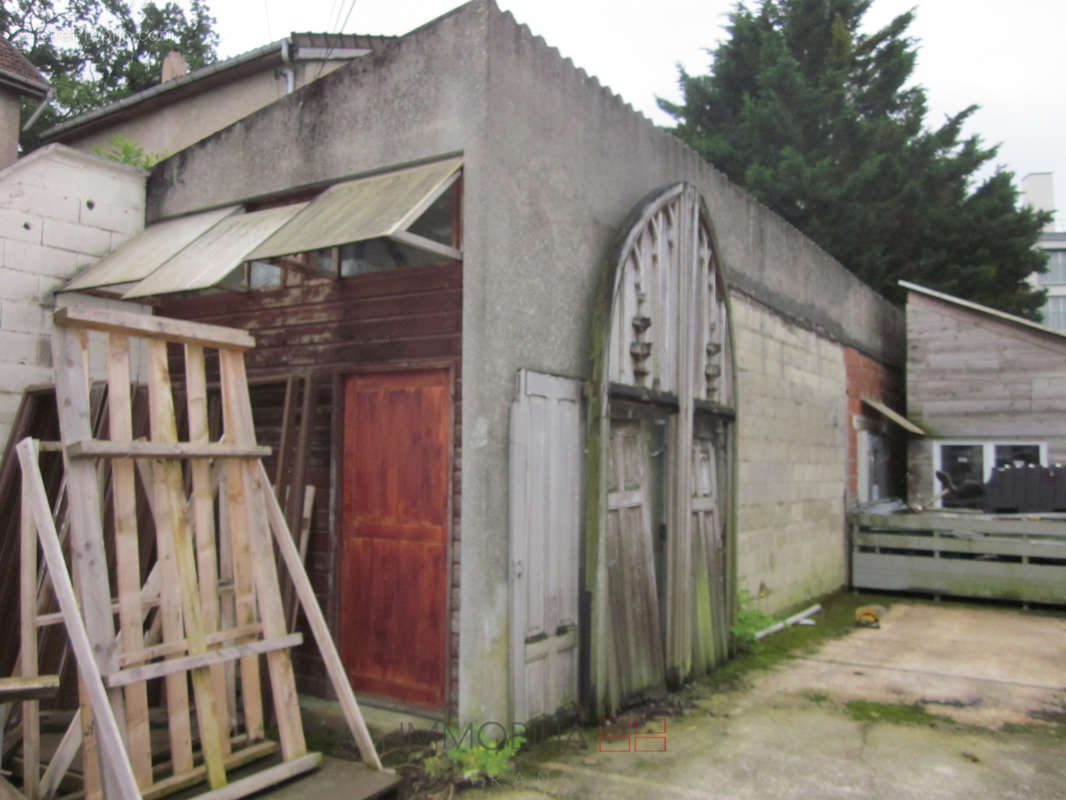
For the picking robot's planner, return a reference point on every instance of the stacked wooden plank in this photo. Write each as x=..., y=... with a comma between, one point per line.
x=211, y=600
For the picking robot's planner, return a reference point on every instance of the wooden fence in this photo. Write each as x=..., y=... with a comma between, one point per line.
x=1007, y=557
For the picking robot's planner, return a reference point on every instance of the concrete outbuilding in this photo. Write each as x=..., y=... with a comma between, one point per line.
x=560, y=369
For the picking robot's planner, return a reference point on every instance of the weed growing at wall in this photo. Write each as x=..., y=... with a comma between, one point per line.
x=750, y=620
x=475, y=764
x=126, y=151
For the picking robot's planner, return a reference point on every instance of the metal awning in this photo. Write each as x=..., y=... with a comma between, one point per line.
x=216, y=253
x=366, y=208
x=147, y=251
x=896, y=417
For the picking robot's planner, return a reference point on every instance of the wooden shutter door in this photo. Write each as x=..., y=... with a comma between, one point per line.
x=636, y=641
x=546, y=458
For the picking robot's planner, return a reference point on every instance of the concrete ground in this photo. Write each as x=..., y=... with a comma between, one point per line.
x=335, y=778
x=836, y=724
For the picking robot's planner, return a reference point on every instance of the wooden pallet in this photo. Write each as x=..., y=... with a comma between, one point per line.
x=211, y=602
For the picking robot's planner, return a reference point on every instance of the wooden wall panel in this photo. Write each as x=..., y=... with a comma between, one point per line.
x=396, y=319
x=971, y=375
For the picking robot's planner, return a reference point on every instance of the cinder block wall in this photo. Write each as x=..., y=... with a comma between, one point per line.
x=792, y=437
x=60, y=210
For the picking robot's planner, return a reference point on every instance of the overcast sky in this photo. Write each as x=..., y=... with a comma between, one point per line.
x=1006, y=57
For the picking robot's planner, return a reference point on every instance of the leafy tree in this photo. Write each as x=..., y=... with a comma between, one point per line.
x=817, y=120
x=97, y=51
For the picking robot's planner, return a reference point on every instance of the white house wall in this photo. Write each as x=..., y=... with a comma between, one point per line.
x=60, y=210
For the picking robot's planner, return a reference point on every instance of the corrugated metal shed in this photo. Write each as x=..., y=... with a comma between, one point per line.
x=147, y=251
x=215, y=253
x=366, y=208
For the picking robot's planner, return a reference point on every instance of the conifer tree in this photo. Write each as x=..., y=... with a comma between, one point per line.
x=816, y=118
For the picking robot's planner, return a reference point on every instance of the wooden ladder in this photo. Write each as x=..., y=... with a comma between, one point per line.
x=214, y=588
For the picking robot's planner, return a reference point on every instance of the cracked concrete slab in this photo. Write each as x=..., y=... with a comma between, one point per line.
x=979, y=666
x=789, y=734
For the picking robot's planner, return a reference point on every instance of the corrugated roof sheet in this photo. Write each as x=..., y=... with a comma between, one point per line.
x=215, y=253
x=147, y=251
x=365, y=208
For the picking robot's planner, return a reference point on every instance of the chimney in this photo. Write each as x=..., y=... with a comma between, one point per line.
x=18, y=78
x=174, y=66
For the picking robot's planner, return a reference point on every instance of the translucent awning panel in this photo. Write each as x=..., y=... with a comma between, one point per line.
x=365, y=208
x=216, y=253
x=147, y=251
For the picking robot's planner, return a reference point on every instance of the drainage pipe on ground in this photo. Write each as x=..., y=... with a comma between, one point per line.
x=790, y=621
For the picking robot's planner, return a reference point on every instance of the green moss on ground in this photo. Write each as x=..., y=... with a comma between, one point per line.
x=1057, y=731
x=898, y=713
x=836, y=619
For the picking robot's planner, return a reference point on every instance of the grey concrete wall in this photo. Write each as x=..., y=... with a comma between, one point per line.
x=418, y=98
x=569, y=162
x=167, y=130
x=974, y=377
x=553, y=165
x=60, y=210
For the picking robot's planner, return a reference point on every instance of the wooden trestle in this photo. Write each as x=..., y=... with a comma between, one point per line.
x=210, y=603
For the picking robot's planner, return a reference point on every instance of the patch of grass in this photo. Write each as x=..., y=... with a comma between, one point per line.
x=899, y=714
x=1035, y=729
x=750, y=620
x=816, y=697
x=836, y=619
x=573, y=739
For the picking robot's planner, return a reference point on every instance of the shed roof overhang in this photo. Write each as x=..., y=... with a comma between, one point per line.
x=199, y=251
x=895, y=416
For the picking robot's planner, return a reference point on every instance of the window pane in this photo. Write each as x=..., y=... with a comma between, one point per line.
x=375, y=255
x=1056, y=268
x=264, y=275
x=439, y=220
x=964, y=464
x=1055, y=312
x=1017, y=455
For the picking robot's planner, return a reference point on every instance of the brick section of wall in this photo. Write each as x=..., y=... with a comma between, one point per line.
x=869, y=378
x=59, y=212
x=792, y=439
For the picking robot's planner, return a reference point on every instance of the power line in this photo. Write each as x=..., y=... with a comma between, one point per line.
x=347, y=16
x=340, y=35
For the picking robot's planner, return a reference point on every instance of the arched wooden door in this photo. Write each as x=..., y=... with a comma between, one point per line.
x=659, y=534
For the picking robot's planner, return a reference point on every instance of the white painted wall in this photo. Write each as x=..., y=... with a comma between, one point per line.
x=60, y=211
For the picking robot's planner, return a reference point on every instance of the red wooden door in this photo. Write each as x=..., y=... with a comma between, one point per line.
x=394, y=528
